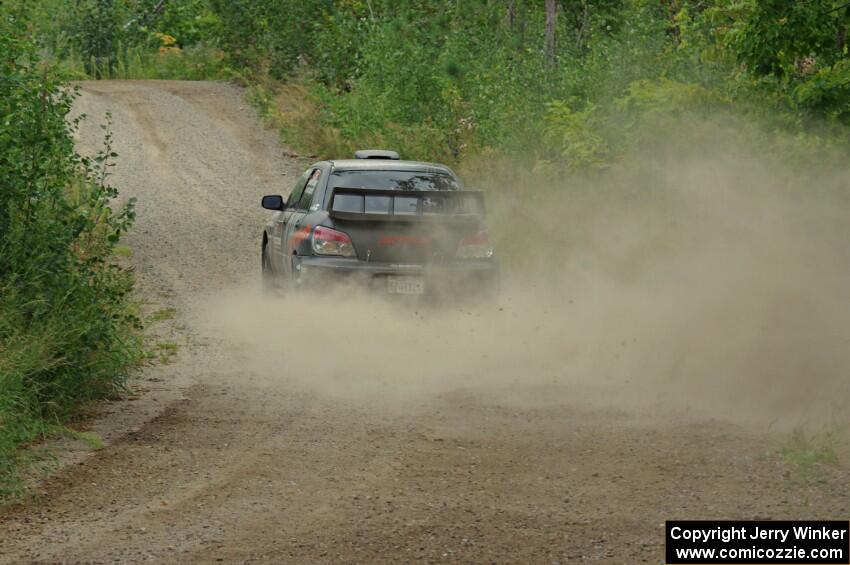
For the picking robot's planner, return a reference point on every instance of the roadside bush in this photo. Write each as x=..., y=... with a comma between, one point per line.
x=169, y=62
x=126, y=39
x=67, y=328
x=445, y=80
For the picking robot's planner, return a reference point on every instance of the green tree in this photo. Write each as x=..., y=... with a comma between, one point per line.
x=781, y=38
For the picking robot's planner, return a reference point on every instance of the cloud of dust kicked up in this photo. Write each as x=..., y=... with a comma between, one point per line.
x=713, y=285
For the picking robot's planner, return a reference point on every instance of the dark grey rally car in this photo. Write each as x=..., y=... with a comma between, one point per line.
x=401, y=227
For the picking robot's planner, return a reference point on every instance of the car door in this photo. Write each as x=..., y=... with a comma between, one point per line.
x=296, y=231
x=280, y=257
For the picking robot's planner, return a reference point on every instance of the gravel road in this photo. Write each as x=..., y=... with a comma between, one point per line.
x=253, y=447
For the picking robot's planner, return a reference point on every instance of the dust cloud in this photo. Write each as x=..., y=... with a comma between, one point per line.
x=708, y=286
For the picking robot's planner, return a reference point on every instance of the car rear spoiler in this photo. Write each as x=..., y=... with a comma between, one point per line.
x=405, y=205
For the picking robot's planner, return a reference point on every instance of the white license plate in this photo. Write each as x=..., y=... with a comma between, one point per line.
x=405, y=285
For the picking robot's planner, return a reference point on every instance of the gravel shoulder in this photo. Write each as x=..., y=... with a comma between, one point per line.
x=226, y=459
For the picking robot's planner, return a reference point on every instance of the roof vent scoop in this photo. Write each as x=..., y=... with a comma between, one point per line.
x=376, y=154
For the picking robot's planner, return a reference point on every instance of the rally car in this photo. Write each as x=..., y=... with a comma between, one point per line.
x=399, y=227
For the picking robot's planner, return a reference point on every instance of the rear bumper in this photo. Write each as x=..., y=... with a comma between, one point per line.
x=447, y=277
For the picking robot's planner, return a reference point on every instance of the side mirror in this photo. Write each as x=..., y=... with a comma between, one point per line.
x=273, y=202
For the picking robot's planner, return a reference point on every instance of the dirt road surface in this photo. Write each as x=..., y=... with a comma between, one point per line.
x=256, y=461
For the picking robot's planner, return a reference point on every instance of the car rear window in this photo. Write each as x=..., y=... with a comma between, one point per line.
x=393, y=180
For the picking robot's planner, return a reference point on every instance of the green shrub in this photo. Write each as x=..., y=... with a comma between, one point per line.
x=67, y=330
x=827, y=92
x=132, y=39
x=576, y=136
x=445, y=80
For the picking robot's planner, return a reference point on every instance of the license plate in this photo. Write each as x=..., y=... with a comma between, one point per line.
x=405, y=285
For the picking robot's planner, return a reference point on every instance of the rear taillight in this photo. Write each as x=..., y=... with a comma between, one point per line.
x=476, y=246
x=327, y=241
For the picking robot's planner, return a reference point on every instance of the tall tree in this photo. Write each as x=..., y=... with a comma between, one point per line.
x=510, y=14
x=551, y=23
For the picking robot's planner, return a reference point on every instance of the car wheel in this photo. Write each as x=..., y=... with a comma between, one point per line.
x=295, y=280
x=269, y=285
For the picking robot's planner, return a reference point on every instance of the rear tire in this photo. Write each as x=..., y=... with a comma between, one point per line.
x=269, y=285
x=294, y=282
